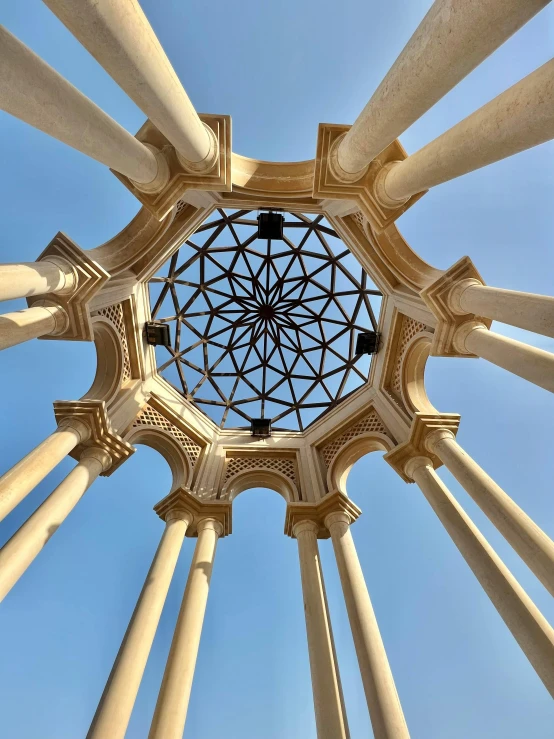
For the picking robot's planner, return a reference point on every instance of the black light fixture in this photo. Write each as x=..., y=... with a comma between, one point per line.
x=367, y=343
x=157, y=334
x=270, y=225
x=260, y=427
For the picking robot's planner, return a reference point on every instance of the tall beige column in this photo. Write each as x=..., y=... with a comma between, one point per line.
x=524, y=310
x=173, y=700
x=330, y=717
x=530, y=542
x=387, y=718
x=54, y=275
x=519, y=118
x=523, y=360
x=18, y=553
x=34, y=92
x=452, y=39
x=18, y=482
x=116, y=705
x=46, y=319
x=120, y=38
x=531, y=630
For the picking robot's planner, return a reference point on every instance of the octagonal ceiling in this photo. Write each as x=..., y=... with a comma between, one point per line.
x=264, y=328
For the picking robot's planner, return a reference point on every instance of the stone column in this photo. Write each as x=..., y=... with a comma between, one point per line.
x=18, y=553
x=519, y=118
x=173, y=700
x=450, y=41
x=524, y=310
x=387, y=718
x=52, y=275
x=46, y=319
x=34, y=92
x=120, y=38
x=530, y=542
x=116, y=705
x=330, y=718
x=523, y=360
x=529, y=627
x=18, y=482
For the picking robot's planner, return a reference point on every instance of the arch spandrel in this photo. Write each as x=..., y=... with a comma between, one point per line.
x=243, y=470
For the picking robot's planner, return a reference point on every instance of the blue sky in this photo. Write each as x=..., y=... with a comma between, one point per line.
x=279, y=69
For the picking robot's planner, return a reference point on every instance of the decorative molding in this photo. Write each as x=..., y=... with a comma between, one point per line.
x=368, y=423
x=94, y=414
x=436, y=295
x=218, y=178
x=152, y=418
x=182, y=499
x=317, y=512
x=422, y=426
x=328, y=186
x=90, y=279
x=242, y=461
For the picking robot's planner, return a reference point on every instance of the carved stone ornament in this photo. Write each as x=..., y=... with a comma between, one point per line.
x=181, y=179
x=182, y=499
x=422, y=426
x=317, y=512
x=94, y=414
x=89, y=277
x=328, y=185
x=437, y=295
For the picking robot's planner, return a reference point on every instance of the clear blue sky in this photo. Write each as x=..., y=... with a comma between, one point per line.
x=279, y=69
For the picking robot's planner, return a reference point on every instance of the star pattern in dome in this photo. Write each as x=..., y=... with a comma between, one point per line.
x=264, y=328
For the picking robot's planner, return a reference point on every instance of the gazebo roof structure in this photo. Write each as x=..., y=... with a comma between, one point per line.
x=266, y=328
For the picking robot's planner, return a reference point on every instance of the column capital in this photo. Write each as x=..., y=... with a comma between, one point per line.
x=185, y=503
x=212, y=174
x=209, y=523
x=463, y=331
x=99, y=454
x=317, y=513
x=61, y=319
x=424, y=426
x=86, y=278
x=442, y=298
x=93, y=414
x=414, y=463
x=332, y=182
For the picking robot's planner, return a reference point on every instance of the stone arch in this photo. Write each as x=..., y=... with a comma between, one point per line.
x=110, y=361
x=350, y=453
x=166, y=445
x=260, y=478
x=413, y=389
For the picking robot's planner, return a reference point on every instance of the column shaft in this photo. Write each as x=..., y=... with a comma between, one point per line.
x=18, y=553
x=523, y=360
x=33, y=278
x=524, y=310
x=387, y=718
x=528, y=626
x=519, y=118
x=120, y=38
x=451, y=40
x=530, y=542
x=30, y=323
x=18, y=482
x=330, y=717
x=34, y=92
x=172, y=705
x=116, y=705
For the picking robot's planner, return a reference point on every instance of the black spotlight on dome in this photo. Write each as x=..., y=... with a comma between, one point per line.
x=157, y=334
x=270, y=225
x=367, y=343
x=260, y=426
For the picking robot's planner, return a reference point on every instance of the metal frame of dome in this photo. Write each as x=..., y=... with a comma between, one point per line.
x=264, y=298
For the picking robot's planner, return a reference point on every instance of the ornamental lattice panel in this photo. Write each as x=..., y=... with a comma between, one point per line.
x=285, y=465
x=410, y=328
x=368, y=423
x=114, y=314
x=151, y=417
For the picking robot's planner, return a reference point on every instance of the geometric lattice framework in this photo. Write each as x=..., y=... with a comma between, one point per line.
x=284, y=465
x=151, y=417
x=114, y=313
x=370, y=422
x=262, y=328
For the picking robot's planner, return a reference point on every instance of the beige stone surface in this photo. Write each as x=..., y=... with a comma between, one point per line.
x=114, y=710
x=36, y=278
x=27, y=542
x=531, y=630
x=31, y=323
